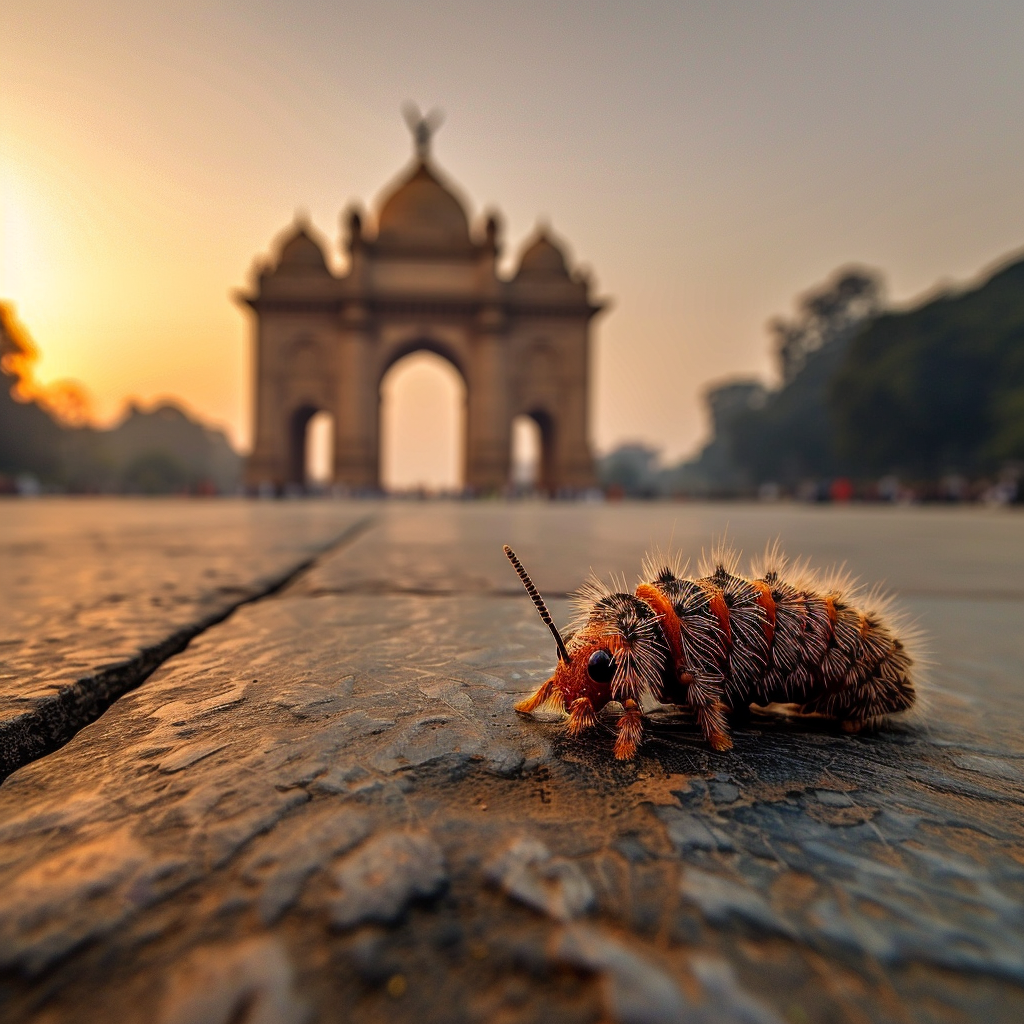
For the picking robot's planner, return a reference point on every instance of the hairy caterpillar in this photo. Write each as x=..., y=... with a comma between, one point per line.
x=720, y=643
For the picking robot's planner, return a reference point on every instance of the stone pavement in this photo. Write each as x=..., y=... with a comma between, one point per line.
x=324, y=808
x=95, y=593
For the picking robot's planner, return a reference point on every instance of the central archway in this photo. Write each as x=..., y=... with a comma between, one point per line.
x=422, y=416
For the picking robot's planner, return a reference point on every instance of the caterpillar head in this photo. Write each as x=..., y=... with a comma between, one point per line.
x=617, y=653
x=619, y=647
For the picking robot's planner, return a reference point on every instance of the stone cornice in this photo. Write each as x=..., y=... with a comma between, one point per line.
x=290, y=304
x=418, y=306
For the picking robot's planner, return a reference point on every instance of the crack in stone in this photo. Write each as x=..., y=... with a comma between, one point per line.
x=55, y=720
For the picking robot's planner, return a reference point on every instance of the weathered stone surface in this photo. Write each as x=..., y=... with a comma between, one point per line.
x=378, y=882
x=439, y=548
x=726, y=1000
x=96, y=593
x=357, y=740
x=727, y=902
x=252, y=982
x=528, y=873
x=636, y=992
x=279, y=866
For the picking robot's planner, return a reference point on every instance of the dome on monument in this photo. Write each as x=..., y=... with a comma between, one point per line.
x=422, y=213
x=300, y=253
x=542, y=258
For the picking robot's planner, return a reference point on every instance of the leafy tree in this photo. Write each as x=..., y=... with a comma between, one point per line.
x=17, y=350
x=155, y=472
x=44, y=432
x=791, y=436
x=632, y=468
x=939, y=389
x=29, y=438
x=825, y=315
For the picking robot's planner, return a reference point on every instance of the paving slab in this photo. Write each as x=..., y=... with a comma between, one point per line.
x=436, y=547
x=94, y=593
x=325, y=809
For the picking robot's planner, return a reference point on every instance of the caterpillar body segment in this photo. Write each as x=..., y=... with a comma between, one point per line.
x=717, y=644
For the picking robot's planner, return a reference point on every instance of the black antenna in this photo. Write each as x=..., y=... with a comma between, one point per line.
x=563, y=654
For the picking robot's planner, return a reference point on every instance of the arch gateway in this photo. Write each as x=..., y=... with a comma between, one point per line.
x=421, y=280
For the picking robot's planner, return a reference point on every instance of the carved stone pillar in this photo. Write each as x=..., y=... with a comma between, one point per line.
x=487, y=416
x=267, y=465
x=355, y=447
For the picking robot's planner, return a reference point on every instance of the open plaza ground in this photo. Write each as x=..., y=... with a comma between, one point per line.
x=263, y=765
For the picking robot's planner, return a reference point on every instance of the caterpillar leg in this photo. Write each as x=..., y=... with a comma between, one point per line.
x=712, y=723
x=581, y=716
x=546, y=693
x=631, y=731
x=710, y=713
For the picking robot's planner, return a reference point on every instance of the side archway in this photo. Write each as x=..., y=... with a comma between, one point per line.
x=298, y=436
x=533, y=452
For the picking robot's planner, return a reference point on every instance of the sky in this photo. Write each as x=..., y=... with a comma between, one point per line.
x=707, y=161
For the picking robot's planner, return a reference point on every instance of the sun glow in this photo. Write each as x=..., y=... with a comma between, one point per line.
x=148, y=155
x=108, y=286
x=45, y=275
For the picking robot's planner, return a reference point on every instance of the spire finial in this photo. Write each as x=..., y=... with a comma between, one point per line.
x=422, y=126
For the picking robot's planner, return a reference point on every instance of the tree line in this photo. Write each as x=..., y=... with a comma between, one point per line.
x=47, y=444
x=866, y=393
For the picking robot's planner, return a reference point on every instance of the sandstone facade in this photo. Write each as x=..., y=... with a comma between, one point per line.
x=422, y=280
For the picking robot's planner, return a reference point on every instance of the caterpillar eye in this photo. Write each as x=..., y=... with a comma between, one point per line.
x=601, y=666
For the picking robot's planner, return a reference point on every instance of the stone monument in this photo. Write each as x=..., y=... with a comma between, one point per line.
x=420, y=278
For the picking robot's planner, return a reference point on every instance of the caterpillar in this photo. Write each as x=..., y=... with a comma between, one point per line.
x=717, y=644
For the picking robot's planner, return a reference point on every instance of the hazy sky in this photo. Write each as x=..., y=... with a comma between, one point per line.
x=708, y=161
